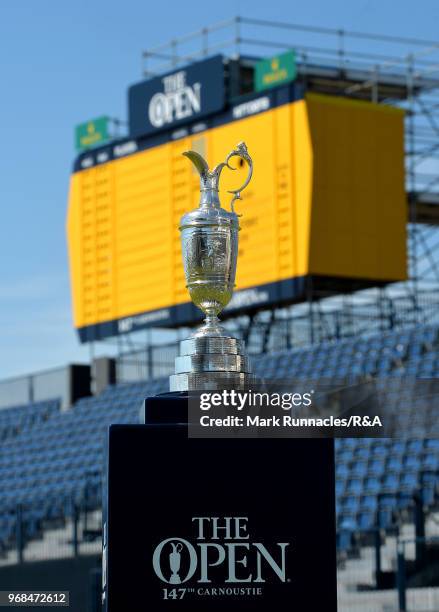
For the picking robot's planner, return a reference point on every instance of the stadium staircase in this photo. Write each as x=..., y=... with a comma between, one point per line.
x=51, y=461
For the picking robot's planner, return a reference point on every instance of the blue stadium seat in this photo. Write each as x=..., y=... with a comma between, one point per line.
x=372, y=484
x=377, y=466
x=359, y=468
x=354, y=485
x=369, y=502
x=366, y=520
x=390, y=483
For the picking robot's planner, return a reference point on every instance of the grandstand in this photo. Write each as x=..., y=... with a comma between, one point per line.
x=53, y=425
x=51, y=462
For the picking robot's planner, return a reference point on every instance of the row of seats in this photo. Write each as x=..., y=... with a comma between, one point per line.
x=23, y=418
x=52, y=464
x=377, y=354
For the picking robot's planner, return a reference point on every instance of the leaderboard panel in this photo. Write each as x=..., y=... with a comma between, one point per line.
x=314, y=208
x=124, y=243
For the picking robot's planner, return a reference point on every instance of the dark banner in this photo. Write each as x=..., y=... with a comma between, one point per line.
x=177, y=97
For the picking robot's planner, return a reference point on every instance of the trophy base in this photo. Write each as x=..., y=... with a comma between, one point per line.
x=211, y=381
x=210, y=363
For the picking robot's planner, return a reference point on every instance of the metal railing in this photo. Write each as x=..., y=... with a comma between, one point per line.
x=258, y=37
x=296, y=327
x=410, y=598
x=40, y=386
x=30, y=388
x=74, y=529
x=402, y=71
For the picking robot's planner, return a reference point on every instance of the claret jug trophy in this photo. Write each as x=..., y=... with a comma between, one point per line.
x=180, y=472
x=211, y=358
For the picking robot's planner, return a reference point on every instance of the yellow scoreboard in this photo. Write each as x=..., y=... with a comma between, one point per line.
x=327, y=202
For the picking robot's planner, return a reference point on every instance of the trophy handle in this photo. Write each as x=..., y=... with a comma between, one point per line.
x=242, y=152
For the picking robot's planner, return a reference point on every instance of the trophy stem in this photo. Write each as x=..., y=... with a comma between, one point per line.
x=210, y=327
x=211, y=320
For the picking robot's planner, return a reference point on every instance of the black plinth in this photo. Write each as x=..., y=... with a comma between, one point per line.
x=200, y=525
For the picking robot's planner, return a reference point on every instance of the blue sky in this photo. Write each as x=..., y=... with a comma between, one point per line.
x=64, y=62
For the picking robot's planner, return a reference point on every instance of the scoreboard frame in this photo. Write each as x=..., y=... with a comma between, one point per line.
x=251, y=298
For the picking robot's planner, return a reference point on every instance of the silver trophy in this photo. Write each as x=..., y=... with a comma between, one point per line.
x=210, y=358
x=175, y=562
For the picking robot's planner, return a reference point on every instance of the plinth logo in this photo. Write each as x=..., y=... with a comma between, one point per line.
x=220, y=551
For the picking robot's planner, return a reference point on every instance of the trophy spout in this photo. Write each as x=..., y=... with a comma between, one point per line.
x=209, y=179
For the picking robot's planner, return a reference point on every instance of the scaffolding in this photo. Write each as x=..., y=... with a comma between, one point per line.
x=384, y=69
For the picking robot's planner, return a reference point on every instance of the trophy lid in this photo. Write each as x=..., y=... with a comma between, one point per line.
x=209, y=211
